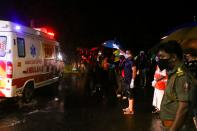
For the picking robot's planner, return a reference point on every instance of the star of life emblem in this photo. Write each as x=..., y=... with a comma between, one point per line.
x=33, y=50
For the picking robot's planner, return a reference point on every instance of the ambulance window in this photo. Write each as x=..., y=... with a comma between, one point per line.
x=3, y=41
x=21, y=47
x=56, y=52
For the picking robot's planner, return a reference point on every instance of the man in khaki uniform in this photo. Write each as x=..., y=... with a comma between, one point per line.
x=176, y=103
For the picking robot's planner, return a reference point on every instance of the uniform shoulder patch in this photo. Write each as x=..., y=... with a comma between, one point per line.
x=179, y=72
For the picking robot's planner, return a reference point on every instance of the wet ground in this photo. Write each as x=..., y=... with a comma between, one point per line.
x=77, y=109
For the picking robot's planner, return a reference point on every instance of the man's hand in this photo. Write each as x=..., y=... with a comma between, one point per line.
x=180, y=116
x=132, y=84
x=153, y=83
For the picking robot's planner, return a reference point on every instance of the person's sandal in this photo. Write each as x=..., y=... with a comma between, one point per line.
x=129, y=112
x=156, y=111
x=126, y=109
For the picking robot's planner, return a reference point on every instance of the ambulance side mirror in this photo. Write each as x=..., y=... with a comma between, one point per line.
x=4, y=52
x=8, y=51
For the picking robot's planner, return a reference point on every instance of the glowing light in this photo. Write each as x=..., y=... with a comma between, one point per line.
x=38, y=29
x=17, y=27
x=59, y=56
x=99, y=53
x=164, y=37
x=45, y=30
x=51, y=33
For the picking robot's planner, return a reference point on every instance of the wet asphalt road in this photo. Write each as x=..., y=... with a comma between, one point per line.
x=77, y=109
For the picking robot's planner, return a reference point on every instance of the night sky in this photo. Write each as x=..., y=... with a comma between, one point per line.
x=89, y=23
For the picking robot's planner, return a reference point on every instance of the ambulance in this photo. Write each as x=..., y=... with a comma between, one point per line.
x=28, y=60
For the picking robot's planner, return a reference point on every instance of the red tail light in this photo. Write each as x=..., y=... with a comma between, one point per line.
x=9, y=70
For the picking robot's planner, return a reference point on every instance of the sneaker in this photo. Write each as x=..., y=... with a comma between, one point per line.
x=118, y=95
x=124, y=97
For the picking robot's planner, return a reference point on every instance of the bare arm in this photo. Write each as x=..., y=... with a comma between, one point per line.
x=180, y=116
x=160, y=78
x=134, y=72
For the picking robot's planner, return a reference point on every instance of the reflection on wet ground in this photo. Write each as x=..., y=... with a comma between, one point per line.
x=76, y=110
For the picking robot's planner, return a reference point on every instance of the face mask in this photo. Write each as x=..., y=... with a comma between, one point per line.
x=127, y=56
x=163, y=64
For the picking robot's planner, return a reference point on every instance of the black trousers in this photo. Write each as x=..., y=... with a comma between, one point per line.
x=129, y=92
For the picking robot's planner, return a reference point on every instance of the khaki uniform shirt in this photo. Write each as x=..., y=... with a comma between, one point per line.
x=178, y=89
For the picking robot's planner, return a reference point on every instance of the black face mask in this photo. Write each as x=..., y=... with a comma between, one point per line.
x=163, y=64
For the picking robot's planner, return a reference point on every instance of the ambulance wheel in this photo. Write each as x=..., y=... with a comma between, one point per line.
x=61, y=74
x=28, y=93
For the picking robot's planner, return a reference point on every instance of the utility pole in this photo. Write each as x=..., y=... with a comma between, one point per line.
x=194, y=18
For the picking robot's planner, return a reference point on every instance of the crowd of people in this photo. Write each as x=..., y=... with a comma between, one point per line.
x=173, y=79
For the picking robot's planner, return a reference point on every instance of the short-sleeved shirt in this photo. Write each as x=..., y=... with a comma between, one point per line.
x=192, y=66
x=178, y=89
x=128, y=70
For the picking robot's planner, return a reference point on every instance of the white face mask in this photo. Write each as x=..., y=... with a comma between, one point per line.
x=127, y=56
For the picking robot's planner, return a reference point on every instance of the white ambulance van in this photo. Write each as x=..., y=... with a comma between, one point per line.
x=28, y=60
